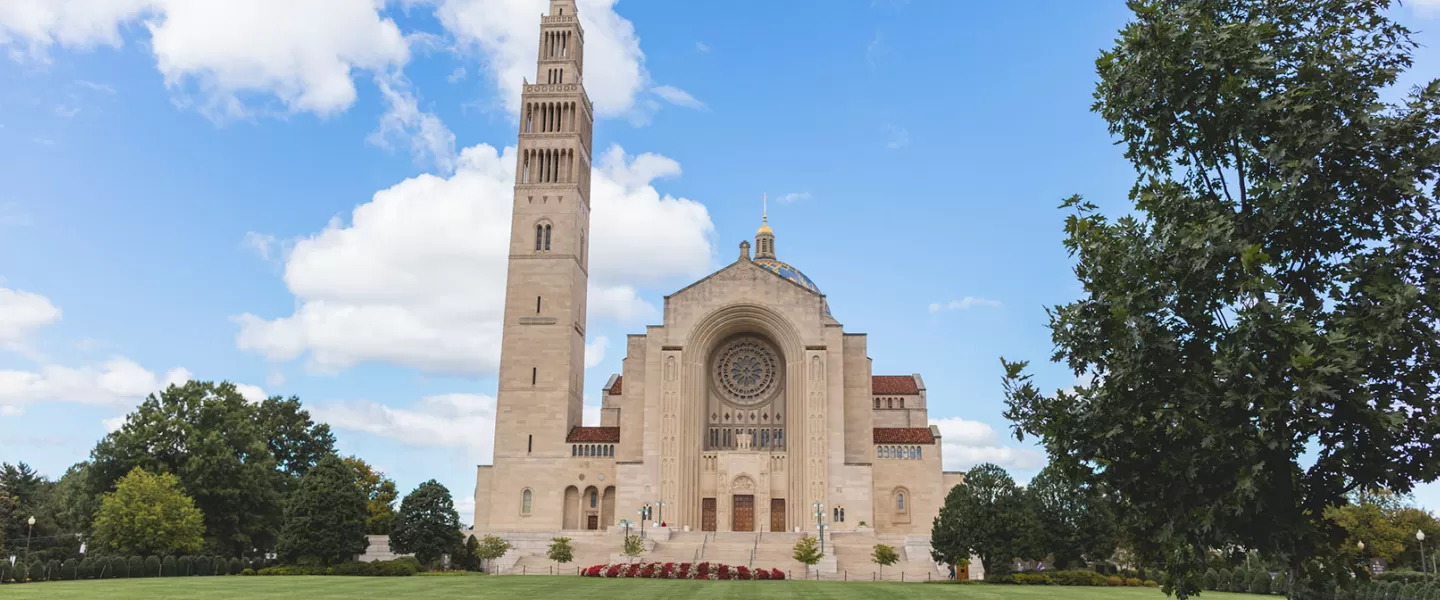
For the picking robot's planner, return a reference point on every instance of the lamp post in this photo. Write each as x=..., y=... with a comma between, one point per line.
x=626, y=524
x=1420, y=535
x=820, y=523
x=661, y=504
x=29, y=531
x=643, y=513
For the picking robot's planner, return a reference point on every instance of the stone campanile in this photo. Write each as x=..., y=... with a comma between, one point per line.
x=542, y=356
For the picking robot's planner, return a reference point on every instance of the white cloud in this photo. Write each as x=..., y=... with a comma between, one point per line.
x=507, y=35
x=430, y=141
x=968, y=443
x=965, y=303
x=21, y=313
x=457, y=75
x=676, y=96
x=448, y=420
x=793, y=197
x=117, y=382
x=113, y=424
x=260, y=243
x=215, y=54
x=11, y=411
x=702, y=47
x=252, y=393
x=417, y=275
x=595, y=351
x=99, y=87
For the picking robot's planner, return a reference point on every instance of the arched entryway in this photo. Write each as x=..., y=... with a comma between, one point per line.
x=572, y=508
x=607, y=507
x=590, y=508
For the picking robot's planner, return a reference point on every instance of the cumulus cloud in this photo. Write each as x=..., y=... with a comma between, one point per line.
x=676, y=96
x=214, y=55
x=595, y=351
x=430, y=141
x=447, y=420
x=417, y=275
x=252, y=393
x=21, y=313
x=965, y=303
x=118, y=382
x=968, y=443
x=506, y=35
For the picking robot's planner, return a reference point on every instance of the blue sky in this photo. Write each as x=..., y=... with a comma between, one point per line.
x=312, y=198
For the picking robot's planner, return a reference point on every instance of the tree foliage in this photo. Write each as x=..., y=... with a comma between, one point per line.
x=380, y=495
x=986, y=516
x=492, y=547
x=1275, y=292
x=807, y=552
x=427, y=525
x=884, y=556
x=1074, y=521
x=560, y=550
x=236, y=459
x=148, y=514
x=633, y=547
x=324, y=517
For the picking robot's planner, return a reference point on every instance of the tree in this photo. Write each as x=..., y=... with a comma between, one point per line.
x=986, y=517
x=427, y=525
x=1075, y=522
x=1275, y=292
x=884, y=556
x=634, y=547
x=148, y=514
x=324, y=517
x=296, y=441
x=224, y=451
x=807, y=552
x=560, y=551
x=380, y=496
x=492, y=547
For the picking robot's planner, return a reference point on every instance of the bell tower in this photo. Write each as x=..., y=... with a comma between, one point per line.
x=542, y=356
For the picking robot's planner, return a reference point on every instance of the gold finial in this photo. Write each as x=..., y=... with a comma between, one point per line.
x=764, y=215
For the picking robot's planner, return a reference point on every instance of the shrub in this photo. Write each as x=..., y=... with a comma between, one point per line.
x=20, y=573
x=1134, y=581
x=70, y=569
x=152, y=566
x=52, y=570
x=235, y=566
x=4, y=571
x=120, y=566
x=202, y=566
x=184, y=566
x=137, y=566
x=1151, y=583
x=84, y=569
x=248, y=571
x=1209, y=580
x=1114, y=581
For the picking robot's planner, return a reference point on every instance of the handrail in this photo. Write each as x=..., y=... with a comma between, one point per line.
x=705, y=541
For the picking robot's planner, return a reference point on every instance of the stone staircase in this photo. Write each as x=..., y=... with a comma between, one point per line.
x=848, y=554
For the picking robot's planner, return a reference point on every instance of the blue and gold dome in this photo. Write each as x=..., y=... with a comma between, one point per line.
x=784, y=269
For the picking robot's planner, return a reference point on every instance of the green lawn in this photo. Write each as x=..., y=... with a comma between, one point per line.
x=537, y=587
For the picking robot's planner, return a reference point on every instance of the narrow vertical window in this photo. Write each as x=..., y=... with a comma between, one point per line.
x=547, y=238
x=594, y=499
x=539, y=236
x=534, y=373
x=525, y=502
x=900, y=501
x=902, y=403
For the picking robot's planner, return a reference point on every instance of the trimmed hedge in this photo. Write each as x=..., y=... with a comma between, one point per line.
x=112, y=567
x=399, y=567
x=1077, y=577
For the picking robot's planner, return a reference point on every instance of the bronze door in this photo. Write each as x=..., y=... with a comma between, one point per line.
x=707, y=514
x=593, y=522
x=744, y=515
x=777, y=514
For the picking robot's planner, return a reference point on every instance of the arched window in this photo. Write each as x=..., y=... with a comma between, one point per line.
x=918, y=450
x=889, y=403
x=842, y=514
x=525, y=498
x=594, y=499
x=879, y=453
x=877, y=403
x=902, y=403
x=547, y=238
x=835, y=515
x=900, y=502
x=539, y=237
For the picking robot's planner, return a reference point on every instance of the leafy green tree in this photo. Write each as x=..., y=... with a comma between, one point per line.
x=1274, y=293
x=427, y=525
x=884, y=556
x=560, y=551
x=380, y=496
x=807, y=552
x=986, y=516
x=324, y=517
x=634, y=547
x=72, y=505
x=236, y=459
x=148, y=514
x=1075, y=521
x=491, y=548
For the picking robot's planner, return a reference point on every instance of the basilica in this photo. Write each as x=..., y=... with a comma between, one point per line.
x=748, y=408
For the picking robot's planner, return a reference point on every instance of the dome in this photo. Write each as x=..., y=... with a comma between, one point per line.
x=785, y=270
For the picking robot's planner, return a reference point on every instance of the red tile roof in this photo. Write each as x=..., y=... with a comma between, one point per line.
x=603, y=435
x=893, y=384
x=903, y=435
x=615, y=389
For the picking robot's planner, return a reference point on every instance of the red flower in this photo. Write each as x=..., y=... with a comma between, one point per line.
x=762, y=574
x=614, y=570
x=777, y=574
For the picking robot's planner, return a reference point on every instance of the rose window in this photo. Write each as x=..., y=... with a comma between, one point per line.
x=746, y=371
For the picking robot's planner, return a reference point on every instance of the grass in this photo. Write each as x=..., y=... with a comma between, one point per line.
x=540, y=586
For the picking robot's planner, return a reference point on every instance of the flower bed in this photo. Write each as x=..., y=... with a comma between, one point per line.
x=670, y=570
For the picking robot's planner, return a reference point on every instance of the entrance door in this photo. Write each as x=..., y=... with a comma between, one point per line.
x=592, y=522
x=707, y=514
x=744, y=514
x=777, y=514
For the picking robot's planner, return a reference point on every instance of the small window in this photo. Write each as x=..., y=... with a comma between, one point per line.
x=879, y=453
x=842, y=514
x=547, y=238
x=525, y=498
x=877, y=403
x=539, y=237
x=900, y=501
x=918, y=451
x=537, y=305
x=902, y=403
x=889, y=403
x=534, y=374
x=530, y=443
x=594, y=499
x=574, y=450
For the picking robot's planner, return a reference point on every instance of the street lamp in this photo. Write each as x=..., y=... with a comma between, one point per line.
x=820, y=523
x=661, y=504
x=29, y=531
x=626, y=524
x=643, y=512
x=1420, y=535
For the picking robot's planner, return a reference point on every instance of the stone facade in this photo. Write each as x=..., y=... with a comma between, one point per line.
x=744, y=410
